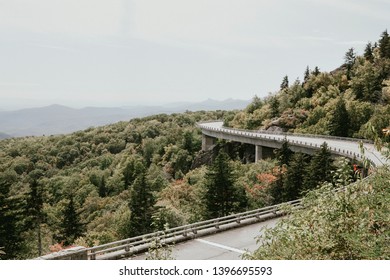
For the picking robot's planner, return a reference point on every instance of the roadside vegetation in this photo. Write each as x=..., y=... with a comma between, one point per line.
x=352, y=224
x=126, y=179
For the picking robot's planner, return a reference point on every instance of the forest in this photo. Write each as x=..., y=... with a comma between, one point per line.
x=112, y=182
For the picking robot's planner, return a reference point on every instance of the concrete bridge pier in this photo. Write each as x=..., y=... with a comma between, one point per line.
x=258, y=153
x=207, y=142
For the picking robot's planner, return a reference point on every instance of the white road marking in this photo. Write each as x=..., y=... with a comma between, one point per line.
x=220, y=246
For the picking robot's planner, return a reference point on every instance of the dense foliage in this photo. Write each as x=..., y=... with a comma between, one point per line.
x=109, y=183
x=342, y=103
x=89, y=187
x=350, y=224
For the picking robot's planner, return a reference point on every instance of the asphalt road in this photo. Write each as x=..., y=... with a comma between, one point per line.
x=228, y=245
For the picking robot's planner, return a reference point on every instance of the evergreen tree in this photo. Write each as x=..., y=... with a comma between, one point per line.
x=222, y=197
x=71, y=226
x=306, y=75
x=384, y=45
x=103, y=191
x=368, y=52
x=277, y=188
x=129, y=173
x=316, y=71
x=190, y=143
x=36, y=215
x=350, y=57
x=284, y=84
x=11, y=218
x=349, y=61
x=319, y=169
x=141, y=205
x=339, y=121
x=284, y=154
x=294, y=177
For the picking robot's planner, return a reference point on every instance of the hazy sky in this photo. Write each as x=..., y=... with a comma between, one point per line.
x=126, y=52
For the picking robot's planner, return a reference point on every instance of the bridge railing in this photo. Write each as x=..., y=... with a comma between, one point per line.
x=271, y=136
x=199, y=124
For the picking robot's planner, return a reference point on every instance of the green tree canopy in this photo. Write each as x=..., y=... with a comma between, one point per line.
x=141, y=204
x=221, y=196
x=339, y=121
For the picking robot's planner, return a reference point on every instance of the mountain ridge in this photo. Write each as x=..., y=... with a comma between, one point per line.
x=59, y=119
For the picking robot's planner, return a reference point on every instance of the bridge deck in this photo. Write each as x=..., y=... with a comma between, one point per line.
x=339, y=146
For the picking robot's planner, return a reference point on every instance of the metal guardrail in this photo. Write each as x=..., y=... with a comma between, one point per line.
x=256, y=135
x=127, y=247
x=291, y=133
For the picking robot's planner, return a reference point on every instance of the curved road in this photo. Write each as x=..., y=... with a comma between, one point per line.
x=347, y=147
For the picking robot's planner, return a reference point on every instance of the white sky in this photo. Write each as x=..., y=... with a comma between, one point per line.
x=125, y=52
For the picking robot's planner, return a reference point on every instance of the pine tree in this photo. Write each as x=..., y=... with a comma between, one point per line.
x=368, y=52
x=284, y=154
x=349, y=61
x=11, y=218
x=384, y=45
x=141, y=205
x=339, y=121
x=277, y=187
x=319, y=169
x=36, y=215
x=284, y=84
x=129, y=173
x=222, y=197
x=294, y=178
x=306, y=75
x=71, y=227
x=316, y=71
x=102, y=187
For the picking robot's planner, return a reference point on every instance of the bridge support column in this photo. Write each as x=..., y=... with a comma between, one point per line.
x=207, y=142
x=258, y=153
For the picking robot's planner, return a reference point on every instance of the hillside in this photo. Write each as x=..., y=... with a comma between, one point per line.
x=83, y=188
x=343, y=102
x=351, y=101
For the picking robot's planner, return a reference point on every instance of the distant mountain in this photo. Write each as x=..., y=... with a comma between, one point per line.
x=58, y=119
x=4, y=136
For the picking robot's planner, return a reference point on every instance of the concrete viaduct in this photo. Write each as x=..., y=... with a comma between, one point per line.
x=304, y=143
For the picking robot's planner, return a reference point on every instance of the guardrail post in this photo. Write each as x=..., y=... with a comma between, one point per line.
x=216, y=225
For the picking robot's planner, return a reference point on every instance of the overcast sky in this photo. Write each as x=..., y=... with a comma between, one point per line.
x=125, y=52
